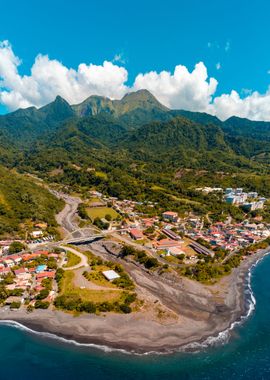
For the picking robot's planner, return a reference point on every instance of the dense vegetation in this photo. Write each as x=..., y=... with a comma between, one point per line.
x=136, y=148
x=23, y=201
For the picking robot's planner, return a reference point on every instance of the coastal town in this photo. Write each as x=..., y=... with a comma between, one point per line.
x=28, y=268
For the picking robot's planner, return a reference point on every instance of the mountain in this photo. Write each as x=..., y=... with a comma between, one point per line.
x=135, y=108
x=26, y=125
x=137, y=127
x=259, y=130
x=198, y=117
x=141, y=99
x=128, y=147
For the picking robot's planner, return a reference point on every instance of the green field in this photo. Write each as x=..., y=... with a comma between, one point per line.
x=101, y=212
x=72, y=260
x=68, y=289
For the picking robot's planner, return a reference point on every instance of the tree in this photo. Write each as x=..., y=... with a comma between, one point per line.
x=125, y=308
x=42, y=305
x=15, y=305
x=16, y=247
x=150, y=262
x=43, y=294
x=88, y=307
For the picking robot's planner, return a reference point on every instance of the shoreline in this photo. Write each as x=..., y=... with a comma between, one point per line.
x=134, y=334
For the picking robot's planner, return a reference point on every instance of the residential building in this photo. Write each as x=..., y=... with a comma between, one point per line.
x=170, y=216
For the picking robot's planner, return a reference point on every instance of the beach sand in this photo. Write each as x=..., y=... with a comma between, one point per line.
x=203, y=311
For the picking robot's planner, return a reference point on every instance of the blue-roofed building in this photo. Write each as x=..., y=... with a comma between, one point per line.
x=41, y=268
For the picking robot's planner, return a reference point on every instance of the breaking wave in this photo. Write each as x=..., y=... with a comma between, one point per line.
x=220, y=339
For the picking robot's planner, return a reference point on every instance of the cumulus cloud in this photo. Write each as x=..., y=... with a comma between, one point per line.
x=181, y=89
x=50, y=78
x=218, y=66
x=255, y=106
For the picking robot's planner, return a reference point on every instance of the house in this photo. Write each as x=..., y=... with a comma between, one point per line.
x=110, y=275
x=170, y=216
x=4, y=271
x=9, y=263
x=29, y=256
x=40, y=276
x=175, y=251
x=17, y=259
x=41, y=225
x=39, y=253
x=136, y=234
x=19, y=272
x=36, y=234
x=166, y=243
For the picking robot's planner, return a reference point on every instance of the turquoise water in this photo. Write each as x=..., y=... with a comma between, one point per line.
x=245, y=356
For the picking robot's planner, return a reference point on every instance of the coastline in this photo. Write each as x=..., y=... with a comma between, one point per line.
x=133, y=333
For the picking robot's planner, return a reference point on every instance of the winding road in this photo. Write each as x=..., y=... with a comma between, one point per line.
x=82, y=263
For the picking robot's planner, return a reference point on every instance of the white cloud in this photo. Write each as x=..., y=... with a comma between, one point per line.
x=183, y=89
x=50, y=78
x=218, y=66
x=255, y=106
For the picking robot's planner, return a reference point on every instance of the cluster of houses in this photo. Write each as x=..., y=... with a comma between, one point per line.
x=163, y=234
x=231, y=237
x=26, y=276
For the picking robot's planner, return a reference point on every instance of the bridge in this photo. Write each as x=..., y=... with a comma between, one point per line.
x=87, y=235
x=83, y=239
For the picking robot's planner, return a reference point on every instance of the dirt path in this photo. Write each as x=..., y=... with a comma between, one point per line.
x=81, y=282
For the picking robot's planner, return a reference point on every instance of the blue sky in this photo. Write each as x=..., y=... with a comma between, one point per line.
x=230, y=37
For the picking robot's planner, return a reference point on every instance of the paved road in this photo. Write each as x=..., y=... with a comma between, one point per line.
x=82, y=263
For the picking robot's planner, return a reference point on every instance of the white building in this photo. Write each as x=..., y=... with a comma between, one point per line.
x=110, y=275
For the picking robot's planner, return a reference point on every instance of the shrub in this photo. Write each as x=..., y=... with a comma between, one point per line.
x=125, y=308
x=42, y=305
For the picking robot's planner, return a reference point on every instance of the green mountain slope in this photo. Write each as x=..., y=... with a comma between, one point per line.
x=22, y=200
x=26, y=125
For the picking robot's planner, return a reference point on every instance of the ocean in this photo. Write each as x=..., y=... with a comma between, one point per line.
x=246, y=355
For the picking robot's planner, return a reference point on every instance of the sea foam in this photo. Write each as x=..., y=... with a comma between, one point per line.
x=220, y=339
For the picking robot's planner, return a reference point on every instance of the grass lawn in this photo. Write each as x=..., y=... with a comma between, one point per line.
x=101, y=212
x=72, y=260
x=93, y=200
x=68, y=288
x=96, y=276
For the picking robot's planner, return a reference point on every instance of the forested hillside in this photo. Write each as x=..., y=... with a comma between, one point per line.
x=137, y=148
x=23, y=201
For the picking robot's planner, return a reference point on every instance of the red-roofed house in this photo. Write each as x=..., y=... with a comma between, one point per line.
x=136, y=234
x=42, y=275
x=4, y=271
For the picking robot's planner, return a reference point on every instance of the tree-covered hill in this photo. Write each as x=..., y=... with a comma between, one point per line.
x=130, y=146
x=22, y=200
